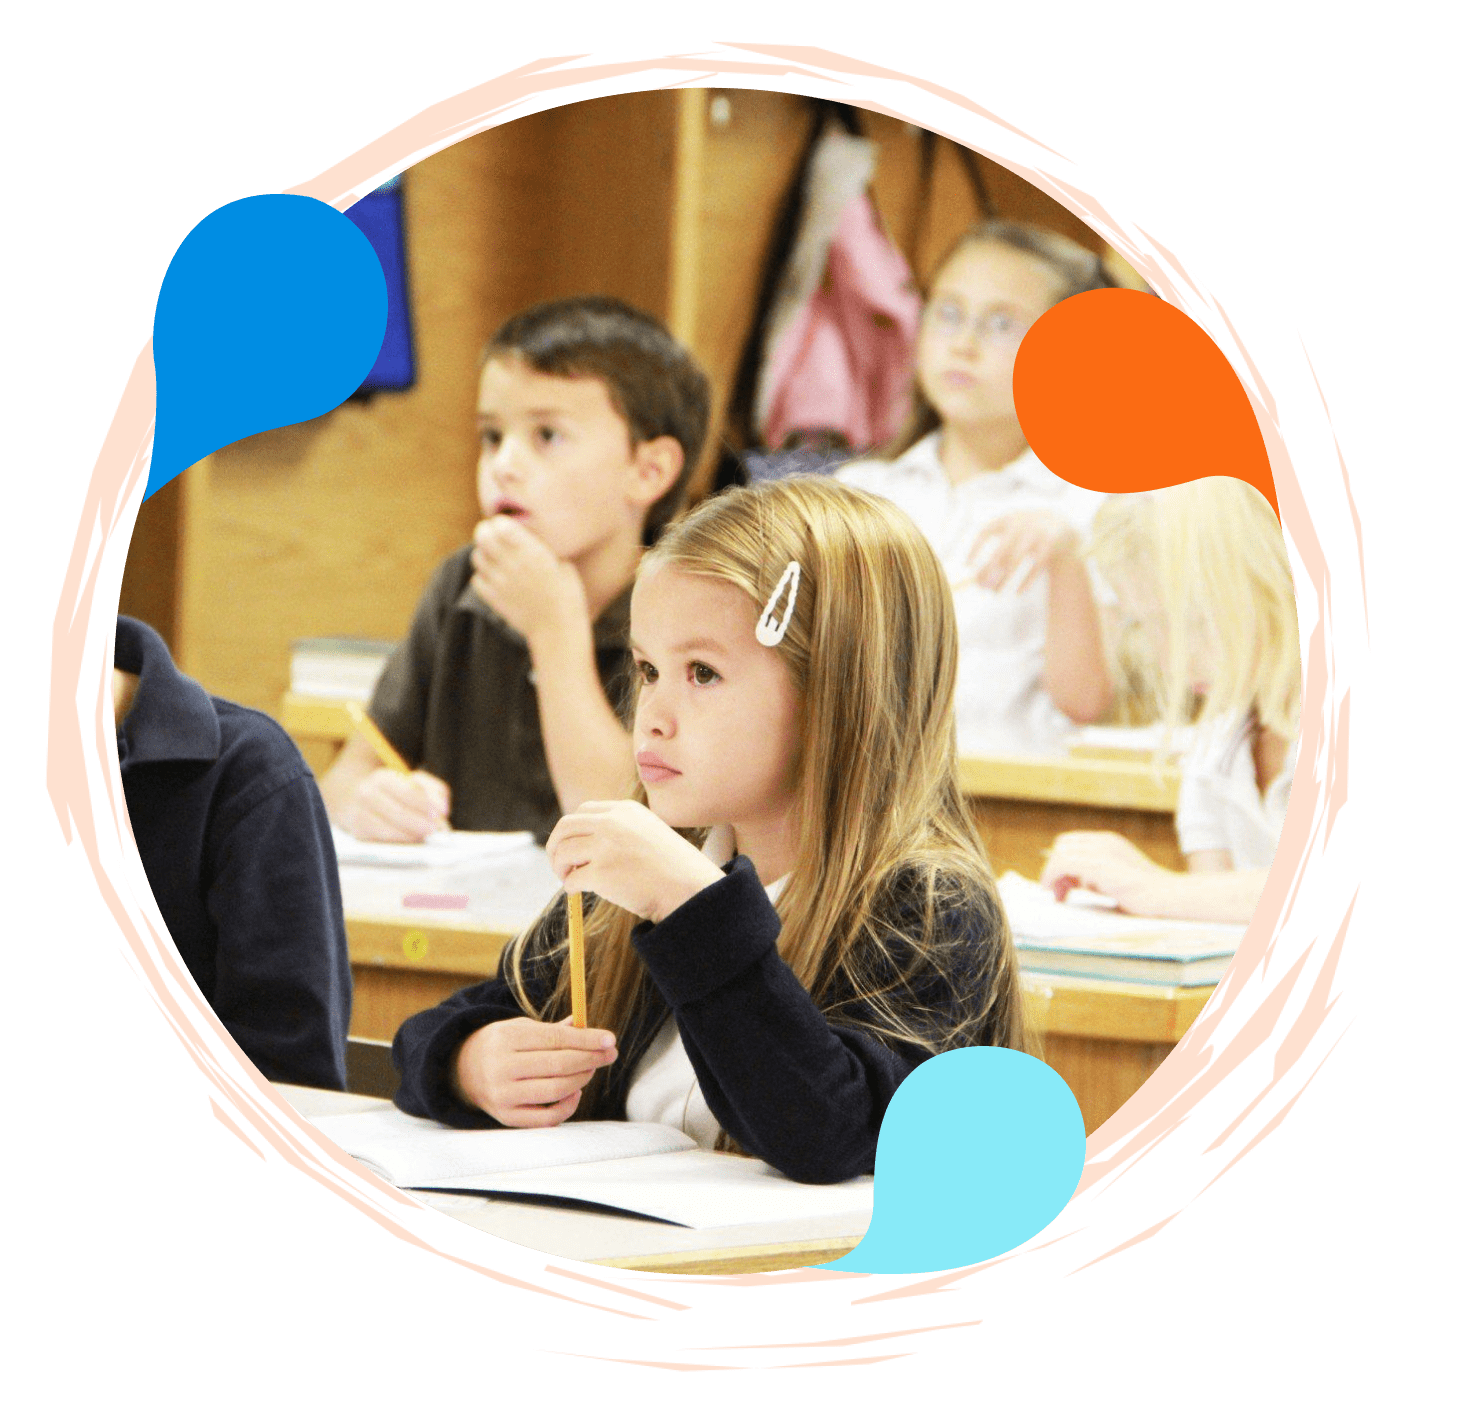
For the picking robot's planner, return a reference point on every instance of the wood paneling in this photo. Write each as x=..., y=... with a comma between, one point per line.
x=334, y=526
x=725, y=219
x=149, y=583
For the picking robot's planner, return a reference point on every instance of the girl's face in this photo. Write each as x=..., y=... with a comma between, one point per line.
x=980, y=308
x=1139, y=604
x=716, y=733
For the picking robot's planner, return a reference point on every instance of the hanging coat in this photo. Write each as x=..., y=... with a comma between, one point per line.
x=842, y=334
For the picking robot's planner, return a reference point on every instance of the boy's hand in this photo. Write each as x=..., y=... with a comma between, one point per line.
x=519, y=578
x=1109, y=864
x=398, y=809
x=527, y=1074
x=624, y=853
x=1020, y=544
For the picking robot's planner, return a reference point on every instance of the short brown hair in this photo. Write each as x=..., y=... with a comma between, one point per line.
x=654, y=383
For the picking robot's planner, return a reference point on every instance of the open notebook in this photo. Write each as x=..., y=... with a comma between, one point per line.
x=1085, y=937
x=645, y=1169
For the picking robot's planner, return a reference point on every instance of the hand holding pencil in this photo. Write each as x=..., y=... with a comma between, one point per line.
x=624, y=853
x=391, y=802
x=528, y=1073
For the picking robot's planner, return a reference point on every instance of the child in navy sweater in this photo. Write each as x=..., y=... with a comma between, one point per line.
x=794, y=911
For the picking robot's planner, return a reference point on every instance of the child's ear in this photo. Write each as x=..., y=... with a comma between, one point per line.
x=657, y=464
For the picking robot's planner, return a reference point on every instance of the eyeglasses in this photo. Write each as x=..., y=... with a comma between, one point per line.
x=949, y=319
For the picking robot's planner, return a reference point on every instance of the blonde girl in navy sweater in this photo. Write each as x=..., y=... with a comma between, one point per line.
x=794, y=910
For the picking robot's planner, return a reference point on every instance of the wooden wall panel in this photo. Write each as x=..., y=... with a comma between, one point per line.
x=333, y=526
x=149, y=582
x=607, y=199
x=747, y=164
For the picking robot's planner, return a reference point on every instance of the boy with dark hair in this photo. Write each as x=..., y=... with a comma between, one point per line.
x=236, y=846
x=506, y=695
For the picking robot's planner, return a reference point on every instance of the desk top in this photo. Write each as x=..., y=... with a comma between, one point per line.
x=620, y=1240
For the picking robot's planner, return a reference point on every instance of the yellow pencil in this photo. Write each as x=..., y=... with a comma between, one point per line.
x=577, y=960
x=379, y=743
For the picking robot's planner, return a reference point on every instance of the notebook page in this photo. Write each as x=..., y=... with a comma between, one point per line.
x=419, y=1152
x=698, y=1189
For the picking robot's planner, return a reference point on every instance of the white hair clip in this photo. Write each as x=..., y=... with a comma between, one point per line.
x=769, y=631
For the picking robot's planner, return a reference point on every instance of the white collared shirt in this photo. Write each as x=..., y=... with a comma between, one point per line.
x=1221, y=806
x=1001, y=702
x=665, y=1088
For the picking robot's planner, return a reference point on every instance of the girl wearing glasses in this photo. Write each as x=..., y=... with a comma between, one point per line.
x=1007, y=530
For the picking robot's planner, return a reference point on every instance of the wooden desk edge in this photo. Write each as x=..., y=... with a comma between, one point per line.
x=740, y=1259
x=1109, y=1010
x=1091, y=781
x=424, y=944
x=1055, y=1004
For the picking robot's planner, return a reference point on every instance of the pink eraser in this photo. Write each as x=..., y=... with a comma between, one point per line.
x=435, y=900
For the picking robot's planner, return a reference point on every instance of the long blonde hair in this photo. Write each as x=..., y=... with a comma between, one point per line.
x=1211, y=554
x=884, y=829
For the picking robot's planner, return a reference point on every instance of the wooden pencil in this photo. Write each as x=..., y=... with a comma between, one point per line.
x=379, y=743
x=577, y=960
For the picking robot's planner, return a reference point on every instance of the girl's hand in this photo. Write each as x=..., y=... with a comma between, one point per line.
x=624, y=853
x=527, y=1074
x=1028, y=542
x=519, y=578
x=1107, y=863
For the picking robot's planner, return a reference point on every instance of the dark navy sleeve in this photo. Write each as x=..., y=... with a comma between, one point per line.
x=282, y=983
x=790, y=1086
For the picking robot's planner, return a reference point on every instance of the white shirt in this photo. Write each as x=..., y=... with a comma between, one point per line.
x=1001, y=702
x=1221, y=807
x=665, y=1088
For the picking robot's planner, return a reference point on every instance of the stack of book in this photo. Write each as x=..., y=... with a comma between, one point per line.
x=337, y=667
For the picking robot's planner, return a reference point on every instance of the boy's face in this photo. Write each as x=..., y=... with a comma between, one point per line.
x=557, y=456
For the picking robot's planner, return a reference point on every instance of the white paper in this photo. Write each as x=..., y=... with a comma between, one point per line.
x=650, y=1168
x=420, y=1152
x=698, y=1189
x=438, y=851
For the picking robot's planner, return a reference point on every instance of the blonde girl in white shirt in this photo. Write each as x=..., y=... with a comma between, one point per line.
x=1007, y=530
x=1201, y=571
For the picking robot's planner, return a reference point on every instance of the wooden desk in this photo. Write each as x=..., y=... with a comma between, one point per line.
x=319, y=726
x=1023, y=803
x=409, y=959
x=310, y=718
x=1105, y=1038
x=617, y=1240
